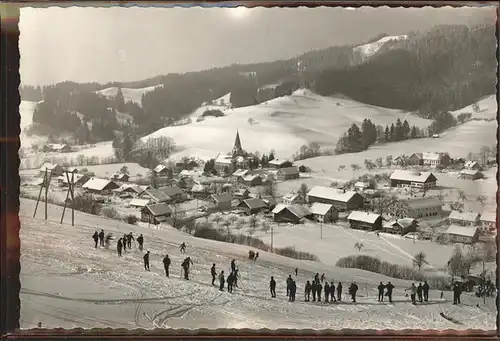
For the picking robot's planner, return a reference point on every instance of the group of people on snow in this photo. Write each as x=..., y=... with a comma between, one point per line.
x=420, y=291
x=232, y=279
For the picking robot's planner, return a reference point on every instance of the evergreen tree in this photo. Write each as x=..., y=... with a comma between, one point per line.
x=354, y=139
x=399, y=130
x=406, y=129
x=413, y=132
x=120, y=101
x=392, y=133
x=387, y=134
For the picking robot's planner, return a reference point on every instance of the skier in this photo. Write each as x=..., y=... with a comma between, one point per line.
x=235, y=277
x=214, y=273
x=166, y=264
x=130, y=237
x=146, y=261
x=96, y=238
x=185, y=266
x=140, y=241
x=322, y=278
x=353, y=289
x=389, y=288
x=419, y=293
x=293, y=290
x=381, y=288
x=296, y=272
x=307, y=292
x=256, y=256
x=316, y=277
x=109, y=238
x=124, y=242
x=326, y=288
x=233, y=265
x=456, y=293
x=230, y=281
x=101, y=237
x=221, y=281
x=272, y=287
x=119, y=246
x=332, y=292
x=314, y=289
x=182, y=248
x=425, y=287
x=413, y=289
x=339, y=292
x=319, y=287
x=288, y=285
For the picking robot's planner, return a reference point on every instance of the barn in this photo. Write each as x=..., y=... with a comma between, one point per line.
x=340, y=199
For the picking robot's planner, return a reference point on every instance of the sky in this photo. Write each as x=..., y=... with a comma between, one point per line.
x=86, y=44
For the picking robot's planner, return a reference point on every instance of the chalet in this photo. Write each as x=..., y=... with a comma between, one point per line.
x=128, y=188
x=58, y=148
x=470, y=174
x=399, y=161
x=361, y=186
x=224, y=164
x=416, y=159
x=464, y=218
x=400, y=226
x=52, y=169
x=361, y=220
x=220, y=202
x=415, y=179
x=325, y=213
x=242, y=193
x=252, y=206
x=120, y=177
x=462, y=234
x=100, y=186
x=155, y=195
x=277, y=163
x=269, y=201
x=174, y=192
x=473, y=165
x=77, y=179
x=252, y=180
x=200, y=191
x=341, y=200
x=162, y=171
x=287, y=173
x=290, y=213
x=139, y=203
x=436, y=159
x=488, y=221
x=240, y=173
x=416, y=208
x=155, y=213
x=293, y=198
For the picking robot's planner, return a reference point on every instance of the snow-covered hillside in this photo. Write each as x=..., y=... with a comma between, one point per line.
x=366, y=51
x=283, y=124
x=486, y=109
x=79, y=286
x=26, y=110
x=129, y=94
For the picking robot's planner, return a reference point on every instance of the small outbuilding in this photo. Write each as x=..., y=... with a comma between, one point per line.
x=290, y=213
x=360, y=220
x=252, y=206
x=325, y=213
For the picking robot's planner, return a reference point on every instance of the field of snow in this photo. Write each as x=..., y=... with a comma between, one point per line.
x=368, y=50
x=283, y=124
x=487, y=109
x=133, y=95
x=67, y=283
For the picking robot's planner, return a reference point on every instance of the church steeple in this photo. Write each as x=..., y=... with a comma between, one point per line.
x=237, y=149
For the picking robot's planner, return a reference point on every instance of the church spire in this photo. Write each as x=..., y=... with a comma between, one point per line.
x=237, y=149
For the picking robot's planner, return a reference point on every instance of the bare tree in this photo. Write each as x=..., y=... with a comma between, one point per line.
x=265, y=227
x=379, y=162
x=217, y=219
x=341, y=167
x=358, y=246
x=232, y=219
x=253, y=222
x=303, y=190
x=227, y=225
x=462, y=196
x=455, y=266
x=355, y=168
x=481, y=199
x=419, y=260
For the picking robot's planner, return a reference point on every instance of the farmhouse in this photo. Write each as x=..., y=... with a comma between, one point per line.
x=58, y=148
x=365, y=220
x=155, y=213
x=224, y=164
x=240, y=173
x=287, y=173
x=473, y=165
x=200, y=191
x=400, y=226
x=242, y=193
x=488, y=221
x=416, y=208
x=220, y=202
x=464, y=218
x=341, y=200
x=252, y=180
x=252, y=206
x=290, y=213
x=293, y=198
x=162, y=170
x=155, y=195
x=52, y=169
x=436, y=159
x=416, y=159
x=100, y=186
x=462, y=234
x=415, y=179
x=277, y=163
x=139, y=203
x=269, y=200
x=174, y=192
x=120, y=177
x=361, y=186
x=129, y=188
x=78, y=179
x=470, y=174
x=325, y=213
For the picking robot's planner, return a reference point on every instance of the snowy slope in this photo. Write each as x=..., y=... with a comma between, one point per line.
x=368, y=50
x=26, y=110
x=488, y=107
x=133, y=95
x=67, y=283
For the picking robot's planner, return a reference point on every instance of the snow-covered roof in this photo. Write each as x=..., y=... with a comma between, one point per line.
x=277, y=162
x=464, y=216
x=157, y=195
x=288, y=170
x=490, y=217
x=222, y=197
x=98, y=184
x=160, y=209
x=331, y=193
x=139, y=202
x=361, y=184
x=159, y=168
x=240, y=172
x=469, y=172
x=320, y=209
x=191, y=173
x=199, y=188
x=405, y=222
x=224, y=159
x=291, y=196
x=423, y=202
x=431, y=156
x=254, y=203
x=470, y=164
x=251, y=177
x=414, y=176
x=297, y=210
x=49, y=166
x=466, y=231
x=366, y=217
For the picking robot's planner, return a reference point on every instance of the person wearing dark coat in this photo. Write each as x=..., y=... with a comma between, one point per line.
x=233, y=265
x=353, y=289
x=101, y=237
x=96, y=238
x=293, y=290
x=420, y=293
x=326, y=288
x=140, y=241
x=381, y=288
x=213, y=273
x=425, y=288
x=256, y=256
x=316, y=277
x=314, y=289
x=322, y=278
x=166, y=265
x=307, y=291
x=288, y=285
x=296, y=272
x=332, y=292
x=146, y=261
x=124, y=242
x=182, y=248
x=319, y=288
x=185, y=266
x=272, y=287
x=389, y=287
x=119, y=246
x=109, y=238
x=457, y=291
x=130, y=237
x=235, y=277
x=230, y=281
x=339, y=292
x=221, y=281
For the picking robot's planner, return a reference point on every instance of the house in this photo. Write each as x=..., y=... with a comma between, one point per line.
x=470, y=174
x=462, y=234
x=130, y=189
x=277, y=163
x=52, y=169
x=398, y=161
x=361, y=220
x=240, y=173
x=252, y=180
x=252, y=206
x=120, y=177
x=224, y=164
x=287, y=173
x=242, y=193
x=155, y=213
x=200, y=191
x=473, y=165
x=414, y=179
x=488, y=221
x=340, y=199
x=58, y=148
x=155, y=195
x=464, y=218
x=436, y=159
x=162, y=171
x=221, y=202
x=293, y=198
x=416, y=159
x=325, y=213
x=270, y=201
x=290, y=213
x=361, y=186
x=77, y=179
x=71, y=169
x=139, y=203
x=191, y=173
x=400, y=226
x=416, y=208
x=100, y=186
x=174, y=192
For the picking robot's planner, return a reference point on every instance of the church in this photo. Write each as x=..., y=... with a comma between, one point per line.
x=237, y=159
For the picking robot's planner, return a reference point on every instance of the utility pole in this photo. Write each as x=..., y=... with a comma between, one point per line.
x=47, y=193
x=272, y=238
x=484, y=284
x=321, y=226
x=40, y=193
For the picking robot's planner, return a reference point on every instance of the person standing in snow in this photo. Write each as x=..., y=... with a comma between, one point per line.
x=130, y=237
x=119, y=246
x=293, y=290
x=307, y=292
x=146, y=261
x=413, y=293
x=235, y=277
x=182, y=248
x=319, y=288
x=326, y=288
x=322, y=278
x=221, y=281
x=339, y=291
x=316, y=278
x=381, y=288
x=419, y=293
x=288, y=285
x=256, y=256
x=101, y=237
x=185, y=266
x=314, y=288
x=456, y=293
x=166, y=265
x=233, y=265
x=140, y=241
x=296, y=272
x=96, y=238
x=425, y=288
x=213, y=273
x=332, y=292
x=230, y=281
x=272, y=287
x=124, y=242
x=353, y=289
x=109, y=238
x=389, y=287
